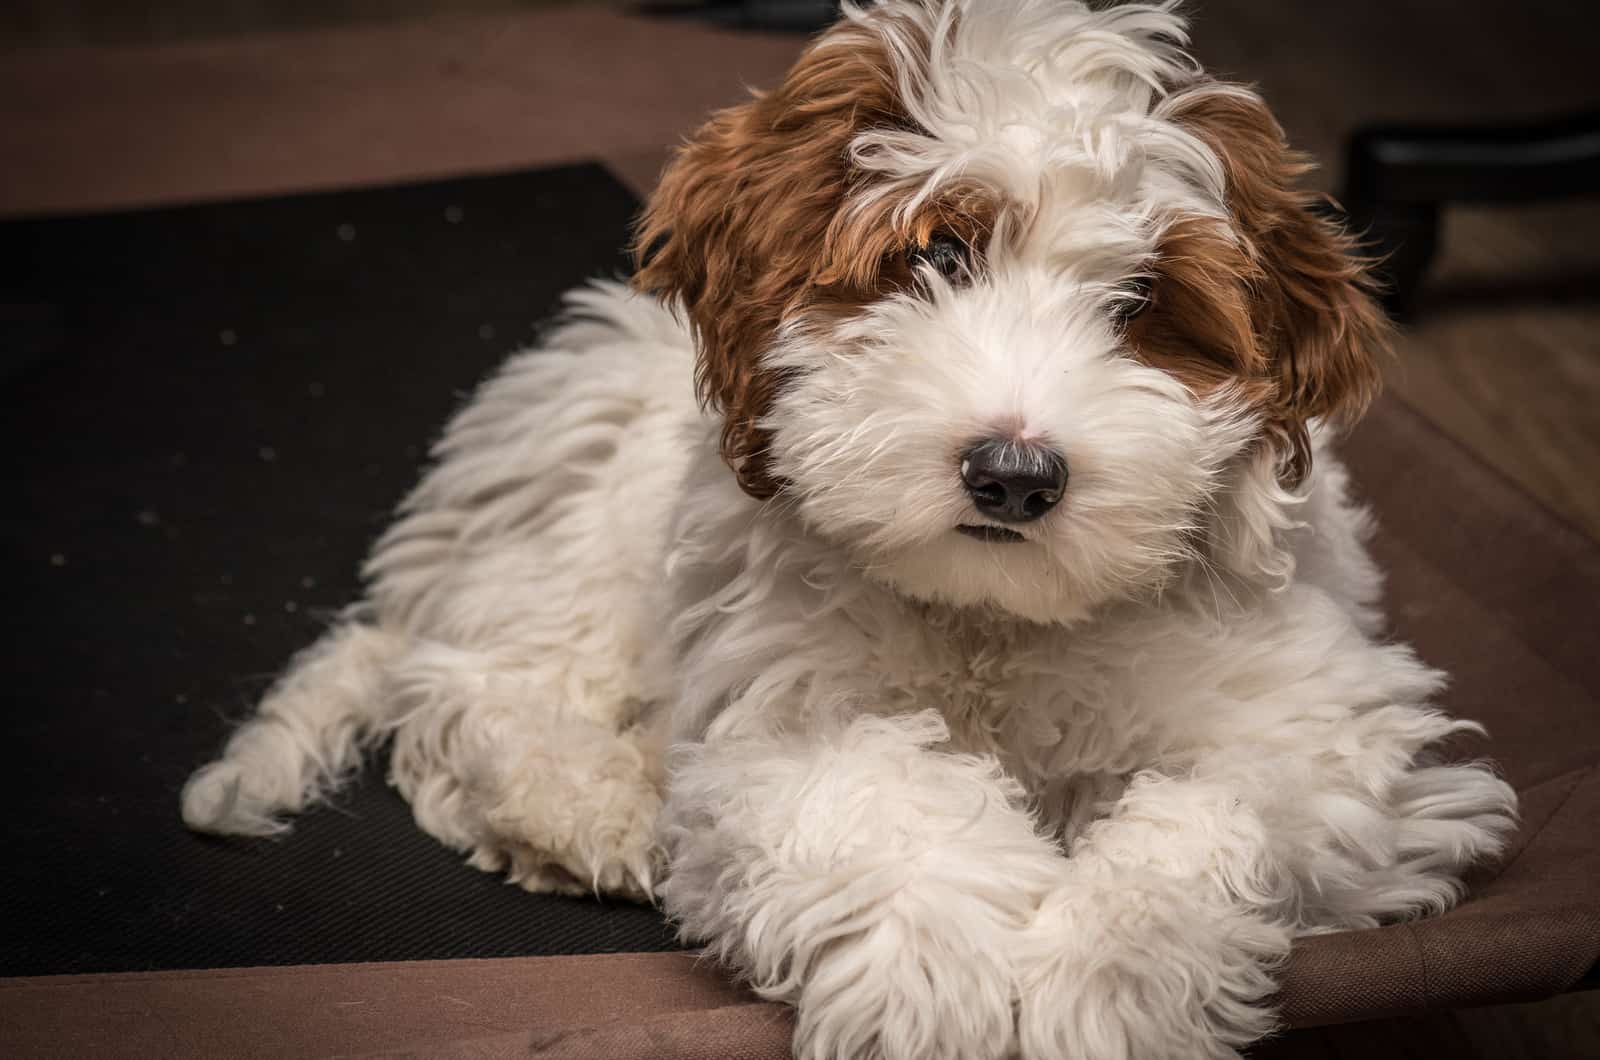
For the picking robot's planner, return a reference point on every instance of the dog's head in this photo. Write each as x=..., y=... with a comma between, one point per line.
x=1009, y=300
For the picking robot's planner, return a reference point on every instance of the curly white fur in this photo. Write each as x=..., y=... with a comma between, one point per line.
x=1068, y=797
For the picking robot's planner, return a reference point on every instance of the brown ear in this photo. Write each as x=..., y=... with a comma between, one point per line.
x=1312, y=306
x=739, y=230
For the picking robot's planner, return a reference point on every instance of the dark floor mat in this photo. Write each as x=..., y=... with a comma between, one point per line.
x=207, y=414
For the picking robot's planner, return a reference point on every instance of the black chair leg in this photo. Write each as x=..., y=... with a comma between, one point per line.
x=1398, y=180
x=1403, y=238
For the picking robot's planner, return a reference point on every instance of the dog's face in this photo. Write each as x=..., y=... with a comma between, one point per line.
x=1008, y=300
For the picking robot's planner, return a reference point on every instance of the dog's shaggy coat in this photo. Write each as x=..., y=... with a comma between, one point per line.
x=955, y=786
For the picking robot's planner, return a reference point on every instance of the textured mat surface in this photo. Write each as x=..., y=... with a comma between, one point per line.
x=206, y=414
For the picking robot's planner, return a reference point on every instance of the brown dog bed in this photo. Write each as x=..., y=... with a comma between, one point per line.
x=191, y=396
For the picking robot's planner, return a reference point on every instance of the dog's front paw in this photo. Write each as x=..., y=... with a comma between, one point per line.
x=1141, y=970
x=908, y=994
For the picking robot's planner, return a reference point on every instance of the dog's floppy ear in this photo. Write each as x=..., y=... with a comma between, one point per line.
x=1312, y=308
x=738, y=232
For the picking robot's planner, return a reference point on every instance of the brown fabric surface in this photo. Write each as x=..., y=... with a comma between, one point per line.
x=1484, y=583
x=424, y=1008
x=752, y=1031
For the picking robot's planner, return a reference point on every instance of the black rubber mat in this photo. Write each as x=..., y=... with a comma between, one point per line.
x=206, y=414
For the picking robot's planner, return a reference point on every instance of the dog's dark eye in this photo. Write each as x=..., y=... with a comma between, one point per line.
x=945, y=253
x=1132, y=298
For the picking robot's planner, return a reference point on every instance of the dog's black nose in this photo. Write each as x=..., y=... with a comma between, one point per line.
x=1014, y=482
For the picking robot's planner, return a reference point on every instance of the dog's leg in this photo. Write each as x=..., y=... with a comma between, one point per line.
x=1159, y=939
x=527, y=769
x=306, y=736
x=877, y=884
x=1162, y=936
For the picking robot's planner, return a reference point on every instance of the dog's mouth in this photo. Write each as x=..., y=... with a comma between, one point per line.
x=996, y=534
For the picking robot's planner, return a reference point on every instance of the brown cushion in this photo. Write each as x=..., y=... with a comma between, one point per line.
x=1486, y=584
x=1498, y=592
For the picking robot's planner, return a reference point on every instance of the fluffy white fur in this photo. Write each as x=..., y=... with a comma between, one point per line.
x=1069, y=797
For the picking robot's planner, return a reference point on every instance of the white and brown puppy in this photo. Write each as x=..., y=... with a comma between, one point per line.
x=1020, y=689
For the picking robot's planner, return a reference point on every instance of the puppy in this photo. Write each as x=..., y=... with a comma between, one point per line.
x=932, y=584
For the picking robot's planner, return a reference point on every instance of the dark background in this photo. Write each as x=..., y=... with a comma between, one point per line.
x=210, y=417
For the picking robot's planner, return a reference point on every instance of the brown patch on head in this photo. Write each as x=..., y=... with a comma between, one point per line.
x=1201, y=325
x=1283, y=307
x=750, y=226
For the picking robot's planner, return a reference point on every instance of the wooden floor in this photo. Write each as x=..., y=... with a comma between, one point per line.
x=110, y=103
